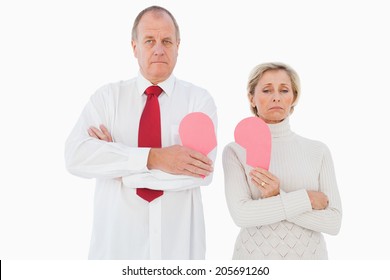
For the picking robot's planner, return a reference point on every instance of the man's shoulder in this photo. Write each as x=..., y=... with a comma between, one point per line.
x=190, y=87
x=113, y=87
x=119, y=84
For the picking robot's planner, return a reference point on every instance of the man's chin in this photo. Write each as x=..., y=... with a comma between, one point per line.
x=158, y=76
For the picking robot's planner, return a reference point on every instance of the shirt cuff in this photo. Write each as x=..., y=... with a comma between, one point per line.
x=138, y=160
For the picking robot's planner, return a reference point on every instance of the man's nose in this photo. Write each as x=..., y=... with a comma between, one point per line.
x=158, y=49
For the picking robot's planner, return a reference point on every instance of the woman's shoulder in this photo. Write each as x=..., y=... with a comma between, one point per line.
x=233, y=146
x=311, y=144
x=233, y=149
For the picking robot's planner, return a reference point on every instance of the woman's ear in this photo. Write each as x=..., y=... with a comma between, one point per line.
x=250, y=97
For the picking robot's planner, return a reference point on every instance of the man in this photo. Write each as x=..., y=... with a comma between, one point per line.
x=147, y=198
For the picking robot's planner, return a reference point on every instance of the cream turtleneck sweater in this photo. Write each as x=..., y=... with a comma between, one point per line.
x=284, y=226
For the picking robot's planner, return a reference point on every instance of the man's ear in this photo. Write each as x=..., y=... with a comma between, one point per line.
x=178, y=45
x=134, y=47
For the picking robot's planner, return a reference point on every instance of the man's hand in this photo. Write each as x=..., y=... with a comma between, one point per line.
x=180, y=160
x=175, y=159
x=101, y=134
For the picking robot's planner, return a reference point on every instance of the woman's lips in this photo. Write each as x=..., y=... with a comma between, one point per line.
x=276, y=108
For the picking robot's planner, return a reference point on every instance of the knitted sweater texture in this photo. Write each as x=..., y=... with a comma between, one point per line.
x=284, y=226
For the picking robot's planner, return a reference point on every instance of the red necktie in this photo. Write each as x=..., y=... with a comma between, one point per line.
x=149, y=133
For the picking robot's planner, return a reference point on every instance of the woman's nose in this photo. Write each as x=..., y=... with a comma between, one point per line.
x=276, y=97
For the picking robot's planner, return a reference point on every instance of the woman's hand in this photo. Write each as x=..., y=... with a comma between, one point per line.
x=101, y=134
x=318, y=200
x=267, y=183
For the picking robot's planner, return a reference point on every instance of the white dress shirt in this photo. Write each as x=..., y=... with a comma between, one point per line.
x=125, y=226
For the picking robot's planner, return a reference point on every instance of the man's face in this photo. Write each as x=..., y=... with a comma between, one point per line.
x=156, y=46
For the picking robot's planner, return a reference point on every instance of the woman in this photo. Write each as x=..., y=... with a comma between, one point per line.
x=282, y=212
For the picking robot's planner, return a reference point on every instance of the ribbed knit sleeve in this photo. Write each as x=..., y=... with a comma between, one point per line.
x=247, y=210
x=329, y=219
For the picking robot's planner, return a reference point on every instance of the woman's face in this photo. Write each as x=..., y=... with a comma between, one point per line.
x=273, y=96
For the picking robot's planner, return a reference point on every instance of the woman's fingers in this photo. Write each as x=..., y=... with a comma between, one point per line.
x=265, y=181
x=265, y=173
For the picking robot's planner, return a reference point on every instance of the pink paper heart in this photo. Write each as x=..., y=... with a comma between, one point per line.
x=254, y=135
x=197, y=132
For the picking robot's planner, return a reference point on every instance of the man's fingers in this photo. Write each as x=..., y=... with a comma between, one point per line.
x=106, y=132
x=189, y=173
x=96, y=133
x=92, y=134
x=197, y=171
x=200, y=157
x=180, y=160
x=201, y=165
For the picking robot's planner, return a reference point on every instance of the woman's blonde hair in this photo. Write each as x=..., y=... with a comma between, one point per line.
x=258, y=72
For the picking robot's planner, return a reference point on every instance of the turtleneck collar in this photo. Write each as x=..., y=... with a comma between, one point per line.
x=281, y=129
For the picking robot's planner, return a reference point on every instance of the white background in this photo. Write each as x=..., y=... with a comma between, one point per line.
x=55, y=54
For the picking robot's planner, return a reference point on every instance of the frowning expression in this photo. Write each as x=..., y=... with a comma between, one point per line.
x=273, y=96
x=156, y=46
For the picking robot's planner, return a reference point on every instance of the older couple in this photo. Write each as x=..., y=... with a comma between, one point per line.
x=147, y=199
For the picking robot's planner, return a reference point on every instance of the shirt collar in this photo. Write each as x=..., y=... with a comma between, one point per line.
x=167, y=85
